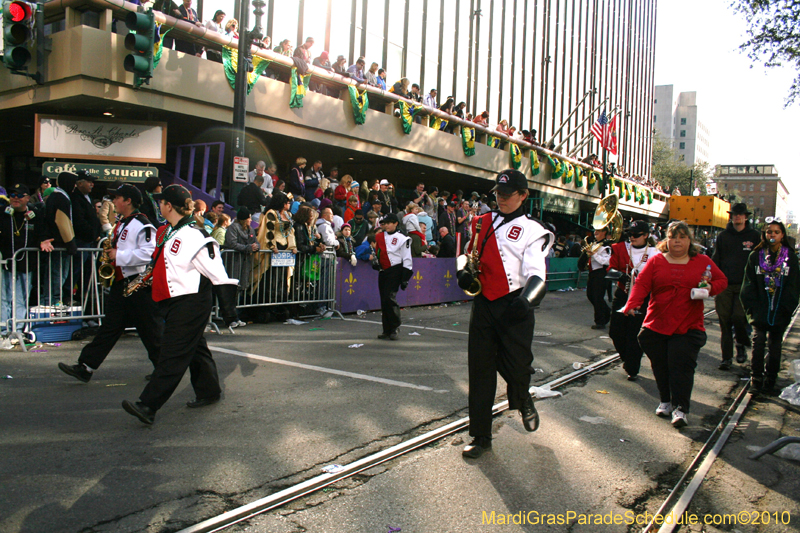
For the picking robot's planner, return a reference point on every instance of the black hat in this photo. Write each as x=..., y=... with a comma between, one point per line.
x=510, y=181
x=126, y=190
x=66, y=180
x=739, y=209
x=243, y=213
x=638, y=227
x=390, y=218
x=451, y=204
x=174, y=194
x=83, y=175
x=19, y=188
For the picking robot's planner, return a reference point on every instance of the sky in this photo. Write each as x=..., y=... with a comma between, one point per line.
x=697, y=50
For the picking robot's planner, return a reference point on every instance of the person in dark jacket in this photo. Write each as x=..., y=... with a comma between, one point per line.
x=360, y=227
x=57, y=231
x=253, y=198
x=87, y=228
x=770, y=294
x=295, y=183
x=447, y=243
x=734, y=245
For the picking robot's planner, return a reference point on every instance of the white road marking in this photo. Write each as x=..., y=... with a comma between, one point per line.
x=325, y=370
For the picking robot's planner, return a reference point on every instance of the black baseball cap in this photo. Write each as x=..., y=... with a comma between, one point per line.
x=391, y=218
x=83, y=175
x=510, y=181
x=128, y=191
x=174, y=194
x=19, y=189
x=638, y=228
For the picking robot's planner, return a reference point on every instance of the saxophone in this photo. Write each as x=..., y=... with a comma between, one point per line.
x=145, y=279
x=472, y=264
x=105, y=271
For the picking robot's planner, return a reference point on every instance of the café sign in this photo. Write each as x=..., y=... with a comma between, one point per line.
x=100, y=139
x=121, y=173
x=560, y=204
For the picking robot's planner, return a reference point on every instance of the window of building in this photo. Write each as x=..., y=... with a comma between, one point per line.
x=655, y=101
x=752, y=187
x=761, y=201
x=683, y=122
x=682, y=146
x=682, y=158
x=683, y=133
x=763, y=187
x=655, y=118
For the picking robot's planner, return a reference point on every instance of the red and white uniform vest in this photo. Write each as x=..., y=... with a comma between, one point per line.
x=134, y=248
x=601, y=259
x=395, y=249
x=183, y=261
x=622, y=261
x=514, y=252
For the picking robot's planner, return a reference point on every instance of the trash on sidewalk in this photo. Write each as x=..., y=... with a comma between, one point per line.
x=414, y=333
x=456, y=324
x=577, y=366
x=601, y=391
x=7, y=377
x=593, y=419
x=293, y=322
x=544, y=392
x=38, y=351
x=315, y=329
x=332, y=469
x=53, y=343
x=791, y=394
x=6, y=344
x=355, y=346
x=361, y=313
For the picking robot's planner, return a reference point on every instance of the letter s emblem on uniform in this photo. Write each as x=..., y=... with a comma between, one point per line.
x=394, y=241
x=124, y=234
x=514, y=233
x=176, y=245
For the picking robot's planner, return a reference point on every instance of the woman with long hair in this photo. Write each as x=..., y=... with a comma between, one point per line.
x=220, y=228
x=677, y=280
x=276, y=233
x=241, y=238
x=770, y=294
x=342, y=191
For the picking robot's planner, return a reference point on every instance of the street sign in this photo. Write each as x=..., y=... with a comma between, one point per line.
x=241, y=166
x=711, y=188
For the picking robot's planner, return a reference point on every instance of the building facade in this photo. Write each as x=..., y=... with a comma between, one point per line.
x=760, y=187
x=675, y=119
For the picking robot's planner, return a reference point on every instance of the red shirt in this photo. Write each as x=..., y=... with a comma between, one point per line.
x=671, y=310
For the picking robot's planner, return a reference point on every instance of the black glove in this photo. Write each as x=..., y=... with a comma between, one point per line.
x=465, y=279
x=531, y=296
x=404, y=285
x=226, y=295
x=72, y=247
x=516, y=311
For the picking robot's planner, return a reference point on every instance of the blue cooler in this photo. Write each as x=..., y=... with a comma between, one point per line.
x=60, y=328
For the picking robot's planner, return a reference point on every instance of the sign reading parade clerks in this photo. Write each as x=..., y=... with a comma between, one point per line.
x=100, y=139
x=121, y=173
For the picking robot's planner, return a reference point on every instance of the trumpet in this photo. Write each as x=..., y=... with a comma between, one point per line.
x=105, y=270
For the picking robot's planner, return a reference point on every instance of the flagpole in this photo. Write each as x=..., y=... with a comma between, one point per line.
x=605, y=174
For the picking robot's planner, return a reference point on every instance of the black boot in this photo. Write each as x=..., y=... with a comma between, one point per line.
x=769, y=386
x=756, y=384
x=477, y=447
x=530, y=417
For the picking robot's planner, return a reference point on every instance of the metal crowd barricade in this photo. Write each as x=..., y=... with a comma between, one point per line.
x=312, y=279
x=39, y=279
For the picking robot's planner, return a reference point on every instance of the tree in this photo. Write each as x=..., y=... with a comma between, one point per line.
x=774, y=35
x=671, y=172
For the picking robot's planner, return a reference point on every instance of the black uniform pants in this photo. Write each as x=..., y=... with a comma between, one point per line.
x=497, y=346
x=596, y=291
x=674, y=358
x=732, y=320
x=624, y=331
x=760, y=344
x=184, y=347
x=388, y=284
x=138, y=309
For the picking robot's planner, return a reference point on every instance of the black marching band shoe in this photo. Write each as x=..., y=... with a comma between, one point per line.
x=140, y=411
x=202, y=402
x=530, y=417
x=477, y=447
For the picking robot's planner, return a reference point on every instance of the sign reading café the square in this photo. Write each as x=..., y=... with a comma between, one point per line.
x=100, y=139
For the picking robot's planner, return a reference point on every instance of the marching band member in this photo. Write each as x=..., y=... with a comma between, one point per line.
x=510, y=249
x=628, y=259
x=597, y=263
x=186, y=263
x=396, y=268
x=133, y=242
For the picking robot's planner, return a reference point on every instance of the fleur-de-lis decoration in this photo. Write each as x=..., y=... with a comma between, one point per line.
x=350, y=280
x=417, y=278
x=447, y=278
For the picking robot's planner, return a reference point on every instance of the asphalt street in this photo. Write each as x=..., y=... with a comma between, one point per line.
x=300, y=397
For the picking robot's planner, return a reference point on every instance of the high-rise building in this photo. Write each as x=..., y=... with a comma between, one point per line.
x=760, y=187
x=675, y=119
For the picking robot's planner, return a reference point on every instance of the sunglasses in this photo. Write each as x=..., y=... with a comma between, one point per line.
x=770, y=220
x=18, y=195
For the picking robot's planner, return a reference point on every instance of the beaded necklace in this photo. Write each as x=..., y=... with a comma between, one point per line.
x=17, y=232
x=173, y=230
x=773, y=277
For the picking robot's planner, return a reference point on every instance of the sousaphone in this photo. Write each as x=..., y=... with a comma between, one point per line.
x=607, y=217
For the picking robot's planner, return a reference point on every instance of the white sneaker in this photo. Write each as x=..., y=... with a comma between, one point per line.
x=240, y=324
x=664, y=409
x=234, y=324
x=678, y=419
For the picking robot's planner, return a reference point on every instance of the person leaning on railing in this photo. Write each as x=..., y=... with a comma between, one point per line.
x=241, y=238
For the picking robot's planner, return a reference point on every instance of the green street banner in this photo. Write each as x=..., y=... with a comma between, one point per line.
x=578, y=177
x=558, y=168
x=360, y=103
x=494, y=142
x=468, y=140
x=535, y=165
x=230, y=64
x=649, y=197
x=439, y=123
x=407, y=113
x=299, y=88
x=593, y=177
x=567, y=175
x=516, y=155
x=157, y=48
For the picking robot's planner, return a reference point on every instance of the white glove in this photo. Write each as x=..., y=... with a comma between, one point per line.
x=353, y=260
x=699, y=294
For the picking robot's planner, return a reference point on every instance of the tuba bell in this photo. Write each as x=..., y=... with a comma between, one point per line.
x=607, y=217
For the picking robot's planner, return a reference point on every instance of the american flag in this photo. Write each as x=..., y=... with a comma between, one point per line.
x=600, y=127
x=605, y=133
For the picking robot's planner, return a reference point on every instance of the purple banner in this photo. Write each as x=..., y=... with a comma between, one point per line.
x=433, y=282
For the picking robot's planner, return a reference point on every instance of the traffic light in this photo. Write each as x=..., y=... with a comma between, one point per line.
x=140, y=61
x=17, y=34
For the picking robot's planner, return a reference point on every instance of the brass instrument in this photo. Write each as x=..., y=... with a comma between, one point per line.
x=472, y=264
x=106, y=269
x=607, y=217
x=145, y=279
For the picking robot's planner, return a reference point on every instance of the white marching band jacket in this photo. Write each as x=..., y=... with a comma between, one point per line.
x=136, y=242
x=513, y=252
x=184, y=259
x=395, y=249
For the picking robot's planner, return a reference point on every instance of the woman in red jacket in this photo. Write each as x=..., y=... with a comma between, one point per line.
x=677, y=280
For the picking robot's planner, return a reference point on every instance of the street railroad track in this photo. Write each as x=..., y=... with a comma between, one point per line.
x=676, y=502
